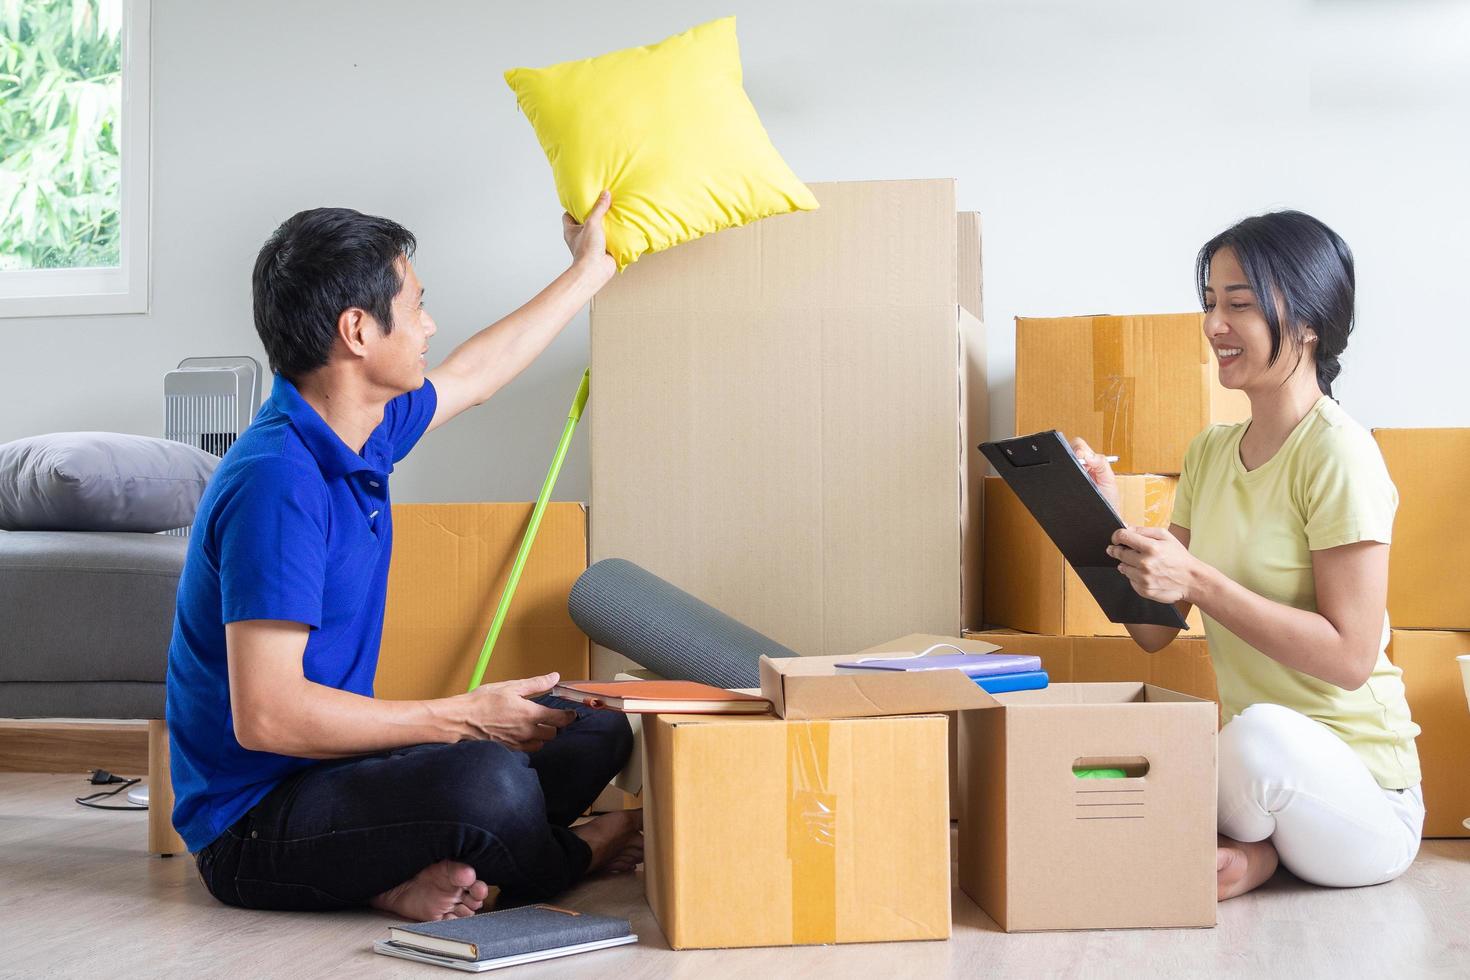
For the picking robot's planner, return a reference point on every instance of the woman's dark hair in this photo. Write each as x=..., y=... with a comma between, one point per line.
x=317, y=264
x=1299, y=270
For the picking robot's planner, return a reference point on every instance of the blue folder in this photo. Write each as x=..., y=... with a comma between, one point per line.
x=1030, y=680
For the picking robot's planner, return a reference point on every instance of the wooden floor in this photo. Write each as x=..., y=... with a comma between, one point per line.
x=78, y=897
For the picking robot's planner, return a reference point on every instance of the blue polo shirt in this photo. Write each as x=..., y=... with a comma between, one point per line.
x=295, y=526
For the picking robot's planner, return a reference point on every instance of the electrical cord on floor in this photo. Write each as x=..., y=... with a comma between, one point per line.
x=101, y=777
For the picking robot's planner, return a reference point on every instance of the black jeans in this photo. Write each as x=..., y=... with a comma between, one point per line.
x=337, y=834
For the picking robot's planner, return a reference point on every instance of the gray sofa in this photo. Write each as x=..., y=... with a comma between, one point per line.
x=85, y=622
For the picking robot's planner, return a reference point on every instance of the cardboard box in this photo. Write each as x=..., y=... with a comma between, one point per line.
x=1428, y=565
x=1182, y=666
x=764, y=832
x=780, y=422
x=1437, y=696
x=1028, y=584
x=1137, y=387
x=1042, y=849
x=450, y=564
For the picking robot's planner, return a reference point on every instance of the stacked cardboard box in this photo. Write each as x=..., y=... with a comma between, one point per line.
x=1182, y=666
x=780, y=418
x=1429, y=608
x=1138, y=388
x=450, y=563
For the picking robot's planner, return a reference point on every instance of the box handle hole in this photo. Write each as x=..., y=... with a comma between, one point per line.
x=1110, y=767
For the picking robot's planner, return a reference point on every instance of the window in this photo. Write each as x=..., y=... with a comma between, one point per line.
x=74, y=172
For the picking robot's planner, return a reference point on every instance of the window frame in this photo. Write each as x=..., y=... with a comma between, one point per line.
x=124, y=288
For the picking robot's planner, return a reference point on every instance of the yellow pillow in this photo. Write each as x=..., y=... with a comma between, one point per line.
x=669, y=130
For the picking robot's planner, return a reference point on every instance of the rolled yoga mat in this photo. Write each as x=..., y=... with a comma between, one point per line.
x=665, y=629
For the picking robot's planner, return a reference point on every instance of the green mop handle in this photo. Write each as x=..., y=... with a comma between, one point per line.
x=573, y=416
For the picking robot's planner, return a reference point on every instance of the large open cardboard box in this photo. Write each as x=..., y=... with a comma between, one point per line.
x=1041, y=849
x=1136, y=387
x=1428, y=565
x=783, y=414
x=1436, y=694
x=1029, y=585
x=765, y=832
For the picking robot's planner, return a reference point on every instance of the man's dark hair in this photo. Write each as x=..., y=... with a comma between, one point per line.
x=1294, y=259
x=315, y=265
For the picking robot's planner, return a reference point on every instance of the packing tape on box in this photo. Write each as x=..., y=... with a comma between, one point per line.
x=1112, y=390
x=811, y=833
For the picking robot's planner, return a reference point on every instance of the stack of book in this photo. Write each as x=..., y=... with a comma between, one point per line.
x=996, y=673
x=510, y=937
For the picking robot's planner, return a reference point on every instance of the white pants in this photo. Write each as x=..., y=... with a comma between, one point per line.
x=1289, y=778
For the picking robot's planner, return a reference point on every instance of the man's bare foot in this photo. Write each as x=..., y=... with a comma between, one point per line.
x=1243, y=866
x=447, y=890
x=616, y=840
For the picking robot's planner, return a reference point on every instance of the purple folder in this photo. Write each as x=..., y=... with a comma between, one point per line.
x=973, y=664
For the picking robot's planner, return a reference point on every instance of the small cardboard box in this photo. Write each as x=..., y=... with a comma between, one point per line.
x=770, y=832
x=1028, y=584
x=1436, y=693
x=1428, y=566
x=782, y=417
x=1136, y=387
x=1182, y=666
x=450, y=564
x=1040, y=848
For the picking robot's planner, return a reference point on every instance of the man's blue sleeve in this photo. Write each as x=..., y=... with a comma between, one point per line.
x=407, y=417
x=271, y=538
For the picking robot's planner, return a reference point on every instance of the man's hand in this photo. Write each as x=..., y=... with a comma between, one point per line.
x=482, y=365
x=588, y=242
x=502, y=713
x=1157, y=563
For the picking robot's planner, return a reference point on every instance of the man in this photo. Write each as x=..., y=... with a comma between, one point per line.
x=295, y=788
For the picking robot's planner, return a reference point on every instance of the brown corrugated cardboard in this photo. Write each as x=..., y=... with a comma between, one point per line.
x=1428, y=566
x=450, y=563
x=763, y=832
x=1436, y=696
x=775, y=420
x=1182, y=666
x=1137, y=387
x=1040, y=848
x=1030, y=587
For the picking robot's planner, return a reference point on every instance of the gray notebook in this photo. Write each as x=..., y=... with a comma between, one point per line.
x=512, y=933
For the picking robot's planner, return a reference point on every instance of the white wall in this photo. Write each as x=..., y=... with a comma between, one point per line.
x=1102, y=140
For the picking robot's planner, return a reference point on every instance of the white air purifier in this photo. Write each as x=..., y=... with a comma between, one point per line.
x=208, y=401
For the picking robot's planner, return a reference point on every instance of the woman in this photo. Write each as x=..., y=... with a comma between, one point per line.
x=1280, y=536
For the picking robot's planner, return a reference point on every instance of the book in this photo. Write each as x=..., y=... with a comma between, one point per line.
x=505, y=938
x=1026, y=680
x=973, y=664
x=665, y=697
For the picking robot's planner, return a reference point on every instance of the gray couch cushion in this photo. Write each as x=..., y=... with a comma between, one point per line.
x=100, y=481
x=87, y=607
x=99, y=699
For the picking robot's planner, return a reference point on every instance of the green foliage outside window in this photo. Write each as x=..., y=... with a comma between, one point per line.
x=60, y=112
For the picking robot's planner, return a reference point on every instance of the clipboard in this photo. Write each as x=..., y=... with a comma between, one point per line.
x=1054, y=487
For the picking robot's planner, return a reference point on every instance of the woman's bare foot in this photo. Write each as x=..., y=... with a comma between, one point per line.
x=447, y=890
x=1243, y=866
x=616, y=840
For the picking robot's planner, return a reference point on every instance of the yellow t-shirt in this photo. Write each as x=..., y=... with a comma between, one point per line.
x=1327, y=486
